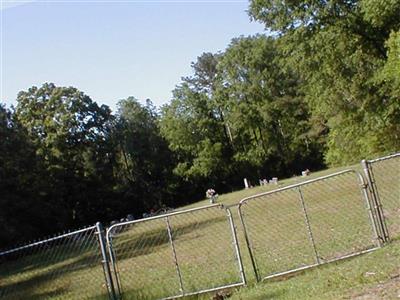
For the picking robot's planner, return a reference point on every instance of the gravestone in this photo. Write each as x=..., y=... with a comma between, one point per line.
x=246, y=183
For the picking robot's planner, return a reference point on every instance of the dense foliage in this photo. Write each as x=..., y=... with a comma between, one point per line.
x=323, y=88
x=346, y=53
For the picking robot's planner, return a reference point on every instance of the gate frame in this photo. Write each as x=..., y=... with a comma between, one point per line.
x=367, y=166
x=364, y=196
x=166, y=216
x=98, y=232
x=106, y=263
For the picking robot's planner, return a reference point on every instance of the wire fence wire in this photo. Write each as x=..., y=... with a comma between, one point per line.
x=196, y=250
x=64, y=267
x=308, y=224
x=385, y=181
x=176, y=254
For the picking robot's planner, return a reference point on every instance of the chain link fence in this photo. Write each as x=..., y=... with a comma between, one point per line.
x=176, y=254
x=384, y=181
x=69, y=266
x=194, y=251
x=308, y=224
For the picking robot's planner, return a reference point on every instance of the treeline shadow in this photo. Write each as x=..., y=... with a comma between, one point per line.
x=26, y=288
x=35, y=257
x=153, y=240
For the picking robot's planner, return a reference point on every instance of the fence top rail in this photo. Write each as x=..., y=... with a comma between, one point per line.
x=301, y=184
x=47, y=240
x=164, y=216
x=384, y=158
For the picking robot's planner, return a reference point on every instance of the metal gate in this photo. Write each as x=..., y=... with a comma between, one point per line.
x=308, y=224
x=176, y=254
x=383, y=175
x=196, y=250
x=68, y=266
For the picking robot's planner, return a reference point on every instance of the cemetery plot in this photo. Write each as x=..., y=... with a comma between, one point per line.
x=307, y=224
x=176, y=254
x=195, y=250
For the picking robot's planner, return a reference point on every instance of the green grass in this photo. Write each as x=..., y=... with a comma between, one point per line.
x=386, y=175
x=67, y=268
x=280, y=237
x=338, y=218
x=235, y=197
x=340, y=280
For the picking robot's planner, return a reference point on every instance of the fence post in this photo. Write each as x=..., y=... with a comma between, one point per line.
x=236, y=245
x=249, y=247
x=178, y=271
x=310, y=234
x=106, y=266
x=383, y=235
x=371, y=210
x=113, y=263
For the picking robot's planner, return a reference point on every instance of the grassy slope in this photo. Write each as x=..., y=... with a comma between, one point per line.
x=145, y=257
x=207, y=255
x=376, y=274
x=235, y=197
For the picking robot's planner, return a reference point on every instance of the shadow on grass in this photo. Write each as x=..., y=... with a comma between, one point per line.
x=45, y=255
x=25, y=288
x=151, y=241
x=45, y=295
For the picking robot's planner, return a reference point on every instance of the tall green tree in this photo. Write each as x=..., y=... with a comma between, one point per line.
x=339, y=47
x=265, y=106
x=71, y=135
x=144, y=161
x=194, y=124
x=26, y=205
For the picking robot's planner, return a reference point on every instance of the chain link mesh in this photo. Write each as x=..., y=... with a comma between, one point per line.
x=196, y=250
x=386, y=174
x=307, y=224
x=64, y=267
x=139, y=249
x=338, y=215
x=175, y=254
x=277, y=233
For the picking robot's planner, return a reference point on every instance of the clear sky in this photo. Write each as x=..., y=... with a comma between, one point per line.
x=115, y=49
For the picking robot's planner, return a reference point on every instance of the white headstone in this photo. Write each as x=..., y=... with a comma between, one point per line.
x=246, y=183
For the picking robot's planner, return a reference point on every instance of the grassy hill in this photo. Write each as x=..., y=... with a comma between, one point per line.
x=375, y=275
x=204, y=248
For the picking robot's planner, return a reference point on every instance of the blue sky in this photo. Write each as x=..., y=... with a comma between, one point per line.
x=112, y=50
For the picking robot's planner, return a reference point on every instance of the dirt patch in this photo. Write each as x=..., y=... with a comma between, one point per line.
x=389, y=289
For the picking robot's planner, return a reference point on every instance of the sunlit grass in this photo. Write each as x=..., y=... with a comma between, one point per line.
x=341, y=280
x=280, y=237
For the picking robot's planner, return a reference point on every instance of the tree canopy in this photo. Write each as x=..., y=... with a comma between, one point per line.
x=320, y=87
x=341, y=50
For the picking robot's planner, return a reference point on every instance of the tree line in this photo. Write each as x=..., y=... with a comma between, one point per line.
x=322, y=88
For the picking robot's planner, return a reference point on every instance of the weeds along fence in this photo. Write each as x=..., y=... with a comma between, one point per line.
x=197, y=250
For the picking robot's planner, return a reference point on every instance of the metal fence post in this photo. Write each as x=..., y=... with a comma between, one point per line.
x=307, y=219
x=248, y=243
x=106, y=266
x=371, y=210
x=178, y=271
x=113, y=262
x=236, y=245
x=379, y=217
